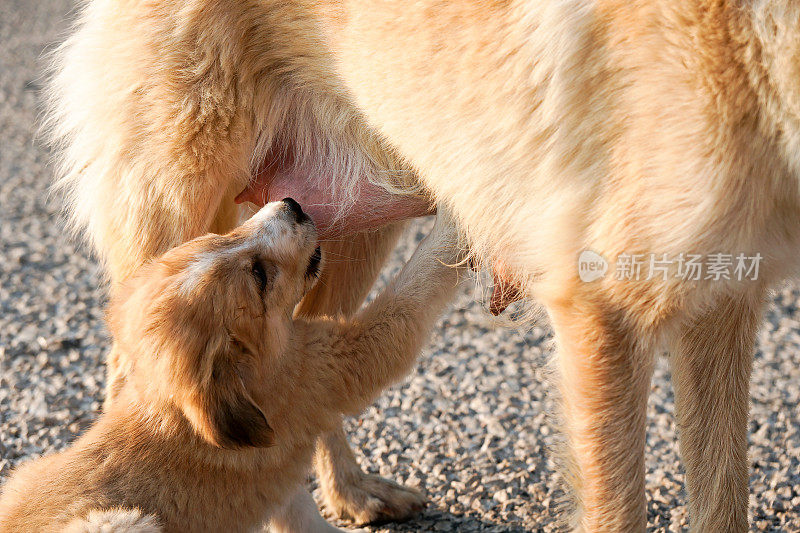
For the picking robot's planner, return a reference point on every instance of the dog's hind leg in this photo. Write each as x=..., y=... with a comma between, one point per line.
x=711, y=373
x=605, y=370
x=351, y=267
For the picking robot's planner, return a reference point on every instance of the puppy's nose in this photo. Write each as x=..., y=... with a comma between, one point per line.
x=299, y=215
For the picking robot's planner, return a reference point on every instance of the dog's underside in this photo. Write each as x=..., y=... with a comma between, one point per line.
x=549, y=128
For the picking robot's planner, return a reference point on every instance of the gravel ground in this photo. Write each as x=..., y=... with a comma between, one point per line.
x=470, y=425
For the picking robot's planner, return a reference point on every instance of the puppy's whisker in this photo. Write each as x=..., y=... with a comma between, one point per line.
x=348, y=257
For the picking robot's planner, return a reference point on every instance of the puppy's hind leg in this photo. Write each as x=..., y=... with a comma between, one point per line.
x=711, y=374
x=350, y=270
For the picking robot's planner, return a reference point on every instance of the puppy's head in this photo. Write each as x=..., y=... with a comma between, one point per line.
x=203, y=324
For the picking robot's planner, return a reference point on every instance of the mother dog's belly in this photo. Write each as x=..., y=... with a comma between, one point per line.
x=502, y=127
x=551, y=130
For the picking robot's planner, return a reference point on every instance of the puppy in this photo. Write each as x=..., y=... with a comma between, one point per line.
x=216, y=424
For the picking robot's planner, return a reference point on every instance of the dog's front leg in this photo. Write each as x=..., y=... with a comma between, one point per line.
x=605, y=371
x=353, y=265
x=711, y=374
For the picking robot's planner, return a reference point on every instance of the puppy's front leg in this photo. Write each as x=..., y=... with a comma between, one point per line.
x=300, y=515
x=356, y=495
x=346, y=489
x=353, y=361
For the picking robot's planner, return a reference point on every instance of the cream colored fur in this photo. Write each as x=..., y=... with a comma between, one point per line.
x=215, y=426
x=548, y=127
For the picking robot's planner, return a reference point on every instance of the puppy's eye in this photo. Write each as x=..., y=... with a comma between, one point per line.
x=260, y=275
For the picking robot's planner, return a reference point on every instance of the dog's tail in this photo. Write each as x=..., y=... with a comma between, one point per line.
x=114, y=521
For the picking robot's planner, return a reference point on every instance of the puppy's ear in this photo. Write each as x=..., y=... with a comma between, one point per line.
x=235, y=421
x=224, y=413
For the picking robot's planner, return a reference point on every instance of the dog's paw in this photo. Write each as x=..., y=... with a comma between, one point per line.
x=368, y=499
x=114, y=521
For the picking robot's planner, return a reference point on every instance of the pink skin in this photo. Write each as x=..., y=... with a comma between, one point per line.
x=373, y=208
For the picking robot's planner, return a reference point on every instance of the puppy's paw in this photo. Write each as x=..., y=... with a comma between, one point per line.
x=114, y=521
x=368, y=499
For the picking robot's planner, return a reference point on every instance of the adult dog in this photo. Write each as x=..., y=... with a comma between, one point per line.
x=551, y=128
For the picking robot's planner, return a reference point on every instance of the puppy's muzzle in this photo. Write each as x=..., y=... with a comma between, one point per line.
x=296, y=210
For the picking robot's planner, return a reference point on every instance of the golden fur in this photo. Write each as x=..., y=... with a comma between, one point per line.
x=548, y=127
x=215, y=425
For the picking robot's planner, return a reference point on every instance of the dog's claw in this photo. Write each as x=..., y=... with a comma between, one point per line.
x=370, y=499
